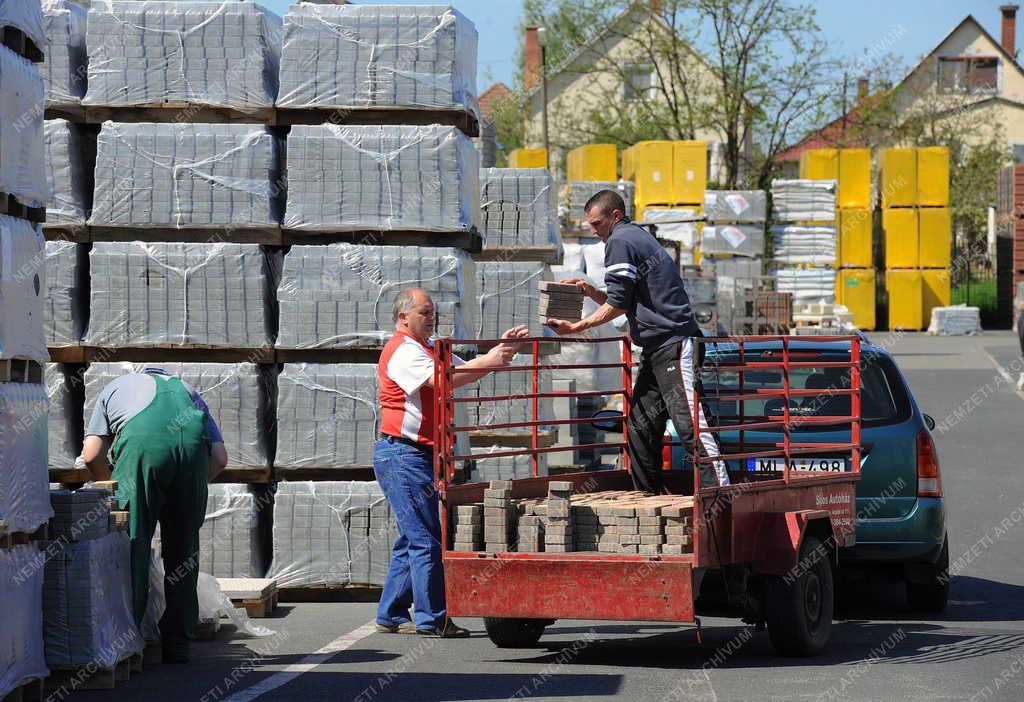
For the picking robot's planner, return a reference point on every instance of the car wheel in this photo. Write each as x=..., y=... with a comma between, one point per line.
x=514, y=633
x=933, y=595
x=799, y=611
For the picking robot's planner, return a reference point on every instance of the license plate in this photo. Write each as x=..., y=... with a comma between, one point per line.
x=804, y=463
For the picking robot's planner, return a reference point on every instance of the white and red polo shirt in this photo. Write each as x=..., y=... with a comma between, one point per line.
x=407, y=403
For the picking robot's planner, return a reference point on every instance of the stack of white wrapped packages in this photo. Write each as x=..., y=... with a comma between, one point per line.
x=331, y=533
x=418, y=56
x=230, y=543
x=22, y=93
x=21, y=637
x=67, y=175
x=518, y=209
x=796, y=244
x=805, y=242
x=341, y=294
x=64, y=65
x=735, y=224
x=208, y=53
x=145, y=294
x=804, y=200
x=64, y=423
x=66, y=305
x=22, y=289
x=507, y=295
x=24, y=492
x=956, y=320
x=382, y=178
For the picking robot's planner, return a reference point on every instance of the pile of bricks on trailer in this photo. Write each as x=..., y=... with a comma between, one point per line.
x=608, y=522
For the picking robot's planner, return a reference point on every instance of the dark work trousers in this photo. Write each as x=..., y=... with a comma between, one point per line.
x=664, y=390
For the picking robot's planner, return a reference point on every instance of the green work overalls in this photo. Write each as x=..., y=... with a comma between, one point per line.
x=161, y=460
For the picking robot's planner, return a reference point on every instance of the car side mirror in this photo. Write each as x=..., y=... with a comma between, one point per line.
x=929, y=421
x=607, y=420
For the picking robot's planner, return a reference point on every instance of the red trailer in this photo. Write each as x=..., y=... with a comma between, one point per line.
x=770, y=539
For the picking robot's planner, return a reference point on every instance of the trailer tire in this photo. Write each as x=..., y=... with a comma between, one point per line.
x=932, y=596
x=800, y=607
x=514, y=633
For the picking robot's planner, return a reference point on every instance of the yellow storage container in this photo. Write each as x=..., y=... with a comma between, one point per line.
x=628, y=167
x=689, y=171
x=897, y=181
x=933, y=176
x=901, y=237
x=935, y=237
x=528, y=158
x=593, y=162
x=855, y=226
x=854, y=178
x=855, y=288
x=819, y=164
x=906, y=307
x=936, y=292
x=651, y=166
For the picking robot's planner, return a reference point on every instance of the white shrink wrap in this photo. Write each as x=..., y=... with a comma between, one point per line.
x=64, y=423
x=21, y=637
x=508, y=296
x=518, y=209
x=65, y=307
x=67, y=176
x=22, y=289
x=804, y=200
x=230, y=540
x=22, y=158
x=24, y=484
x=63, y=67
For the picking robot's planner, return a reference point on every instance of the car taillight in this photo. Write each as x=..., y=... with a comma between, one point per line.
x=666, y=452
x=929, y=481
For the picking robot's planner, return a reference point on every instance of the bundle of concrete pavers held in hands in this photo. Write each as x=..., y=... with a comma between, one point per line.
x=616, y=521
x=560, y=301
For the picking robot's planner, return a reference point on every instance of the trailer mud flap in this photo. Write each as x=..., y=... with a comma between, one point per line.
x=536, y=587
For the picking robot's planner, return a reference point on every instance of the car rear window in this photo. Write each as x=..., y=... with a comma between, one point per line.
x=883, y=400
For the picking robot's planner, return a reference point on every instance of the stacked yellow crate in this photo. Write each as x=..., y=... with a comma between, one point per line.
x=914, y=185
x=528, y=158
x=855, y=280
x=592, y=163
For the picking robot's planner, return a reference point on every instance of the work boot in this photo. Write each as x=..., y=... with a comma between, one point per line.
x=451, y=630
x=403, y=628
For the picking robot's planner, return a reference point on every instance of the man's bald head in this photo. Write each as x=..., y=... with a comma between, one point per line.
x=413, y=312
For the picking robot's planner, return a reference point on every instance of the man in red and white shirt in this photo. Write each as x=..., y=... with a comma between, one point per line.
x=403, y=462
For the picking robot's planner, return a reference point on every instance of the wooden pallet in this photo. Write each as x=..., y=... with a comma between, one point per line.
x=161, y=353
x=257, y=595
x=28, y=690
x=542, y=254
x=20, y=370
x=301, y=473
x=256, y=475
x=22, y=44
x=470, y=241
x=330, y=593
x=17, y=538
x=75, y=233
x=12, y=207
x=456, y=117
x=342, y=354
x=258, y=234
x=89, y=677
x=176, y=111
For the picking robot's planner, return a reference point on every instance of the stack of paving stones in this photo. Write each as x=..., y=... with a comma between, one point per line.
x=499, y=517
x=530, y=533
x=560, y=301
x=558, y=529
x=67, y=173
x=468, y=527
x=229, y=540
x=677, y=526
x=63, y=67
x=79, y=515
x=518, y=208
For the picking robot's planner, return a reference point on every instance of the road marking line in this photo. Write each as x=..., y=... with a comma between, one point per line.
x=283, y=677
x=1003, y=372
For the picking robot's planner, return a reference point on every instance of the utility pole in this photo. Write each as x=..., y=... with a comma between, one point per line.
x=542, y=40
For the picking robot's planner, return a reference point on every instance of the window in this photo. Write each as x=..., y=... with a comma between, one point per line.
x=640, y=81
x=968, y=74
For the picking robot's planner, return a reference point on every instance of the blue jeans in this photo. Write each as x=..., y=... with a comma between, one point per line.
x=415, y=575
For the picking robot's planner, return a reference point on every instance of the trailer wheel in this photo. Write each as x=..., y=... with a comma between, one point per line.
x=933, y=595
x=514, y=633
x=799, y=612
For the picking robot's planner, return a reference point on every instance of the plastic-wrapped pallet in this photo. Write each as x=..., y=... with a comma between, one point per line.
x=24, y=491
x=239, y=396
x=807, y=284
x=229, y=540
x=794, y=244
x=382, y=178
x=505, y=467
x=485, y=414
x=326, y=415
x=746, y=206
x=65, y=305
x=21, y=637
x=732, y=239
x=161, y=293
x=207, y=53
x=486, y=144
x=955, y=321
x=185, y=175
x=686, y=233
x=342, y=294
x=419, y=56
x=507, y=292
x=517, y=207
x=66, y=173
x=64, y=424
x=27, y=16
x=801, y=200
x=64, y=65
x=331, y=533
x=22, y=172
x=22, y=289
x=736, y=267
x=576, y=193
x=87, y=603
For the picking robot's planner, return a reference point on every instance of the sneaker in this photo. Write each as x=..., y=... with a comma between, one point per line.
x=450, y=631
x=403, y=628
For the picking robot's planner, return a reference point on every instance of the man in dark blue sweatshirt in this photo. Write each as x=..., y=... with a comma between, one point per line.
x=643, y=283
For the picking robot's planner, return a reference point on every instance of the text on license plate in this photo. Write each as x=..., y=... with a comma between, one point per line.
x=807, y=463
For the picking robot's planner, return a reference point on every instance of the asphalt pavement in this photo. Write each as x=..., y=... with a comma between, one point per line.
x=975, y=651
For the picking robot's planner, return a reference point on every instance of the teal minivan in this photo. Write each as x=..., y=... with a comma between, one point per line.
x=901, y=517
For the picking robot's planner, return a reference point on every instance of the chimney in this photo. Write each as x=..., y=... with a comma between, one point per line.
x=656, y=7
x=1009, y=29
x=531, y=60
x=862, y=89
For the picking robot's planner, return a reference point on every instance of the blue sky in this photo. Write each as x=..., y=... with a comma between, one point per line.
x=908, y=28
